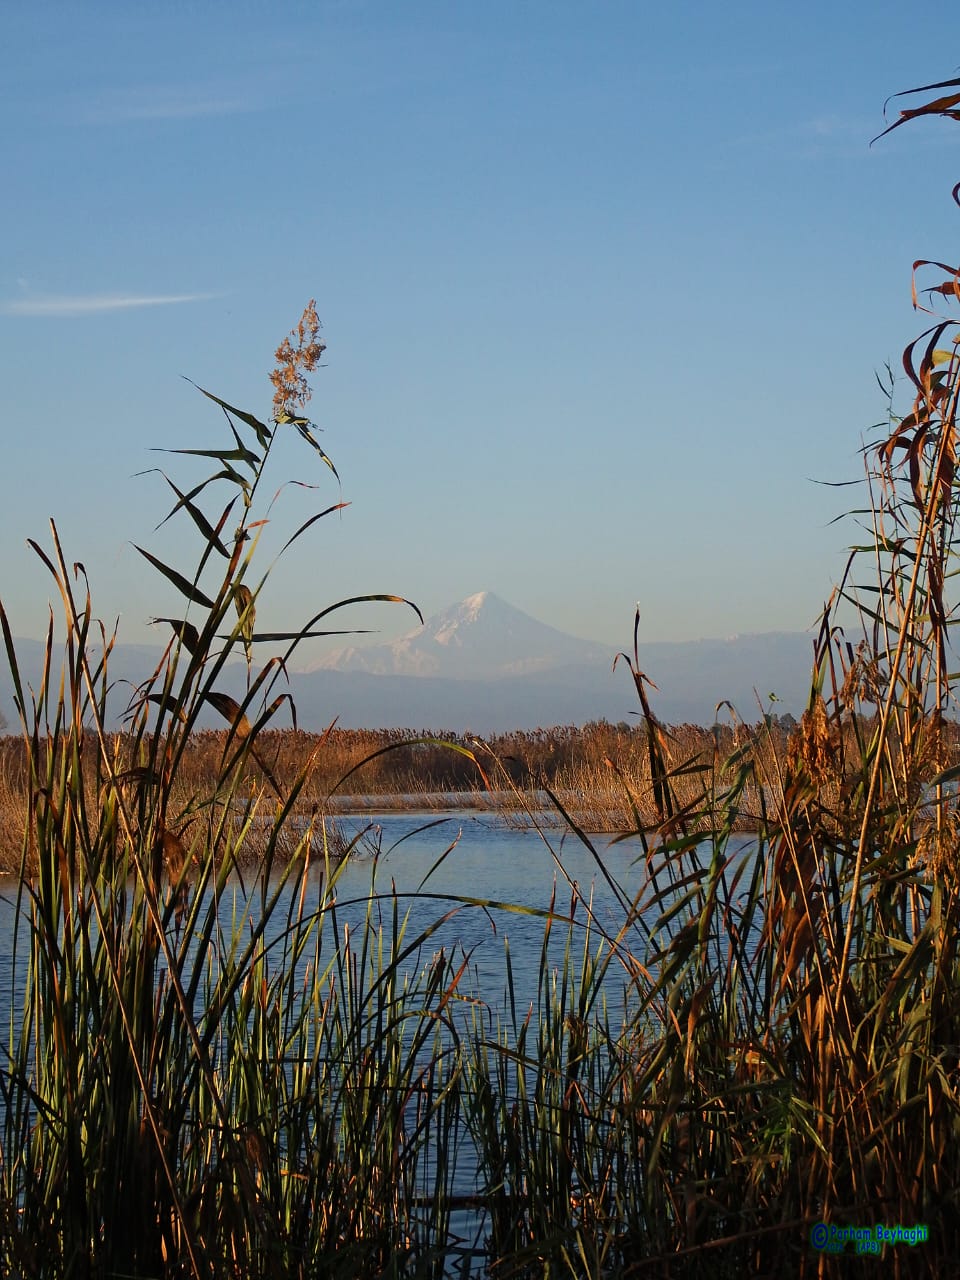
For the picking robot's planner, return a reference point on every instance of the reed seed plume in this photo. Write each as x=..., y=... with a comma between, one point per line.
x=297, y=355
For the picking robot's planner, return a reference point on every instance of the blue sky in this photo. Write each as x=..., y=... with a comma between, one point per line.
x=604, y=289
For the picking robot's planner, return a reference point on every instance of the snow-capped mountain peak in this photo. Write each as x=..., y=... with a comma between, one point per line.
x=473, y=604
x=480, y=638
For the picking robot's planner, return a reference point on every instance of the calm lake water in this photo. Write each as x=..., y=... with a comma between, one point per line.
x=423, y=866
x=491, y=861
x=431, y=862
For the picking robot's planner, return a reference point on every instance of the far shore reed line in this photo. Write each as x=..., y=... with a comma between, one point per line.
x=599, y=773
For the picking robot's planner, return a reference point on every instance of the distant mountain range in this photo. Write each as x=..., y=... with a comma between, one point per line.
x=481, y=638
x=484, y=666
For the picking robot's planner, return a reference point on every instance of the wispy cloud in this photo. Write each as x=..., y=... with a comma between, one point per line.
x=170, y=109
x=162, y=102
x=95, y=303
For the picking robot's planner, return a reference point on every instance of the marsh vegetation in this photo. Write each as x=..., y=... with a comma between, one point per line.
x=273, y=1091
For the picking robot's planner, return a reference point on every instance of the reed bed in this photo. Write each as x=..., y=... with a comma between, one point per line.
x=211, y=1072
x=593, y=769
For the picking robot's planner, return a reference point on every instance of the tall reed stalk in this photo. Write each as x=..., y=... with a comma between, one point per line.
x=786, y=1078
x=200, y=1078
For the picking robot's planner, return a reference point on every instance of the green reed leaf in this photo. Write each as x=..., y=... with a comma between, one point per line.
x=246, y=610
x=187, y=588
x=199, y=519
x=274, y=637
x=337, y=506
x=262, y=431
x=240, y=454
x=308, y=436
x=186, y=631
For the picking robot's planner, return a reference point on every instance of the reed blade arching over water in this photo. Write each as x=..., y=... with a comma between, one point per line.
x=278, y=1090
